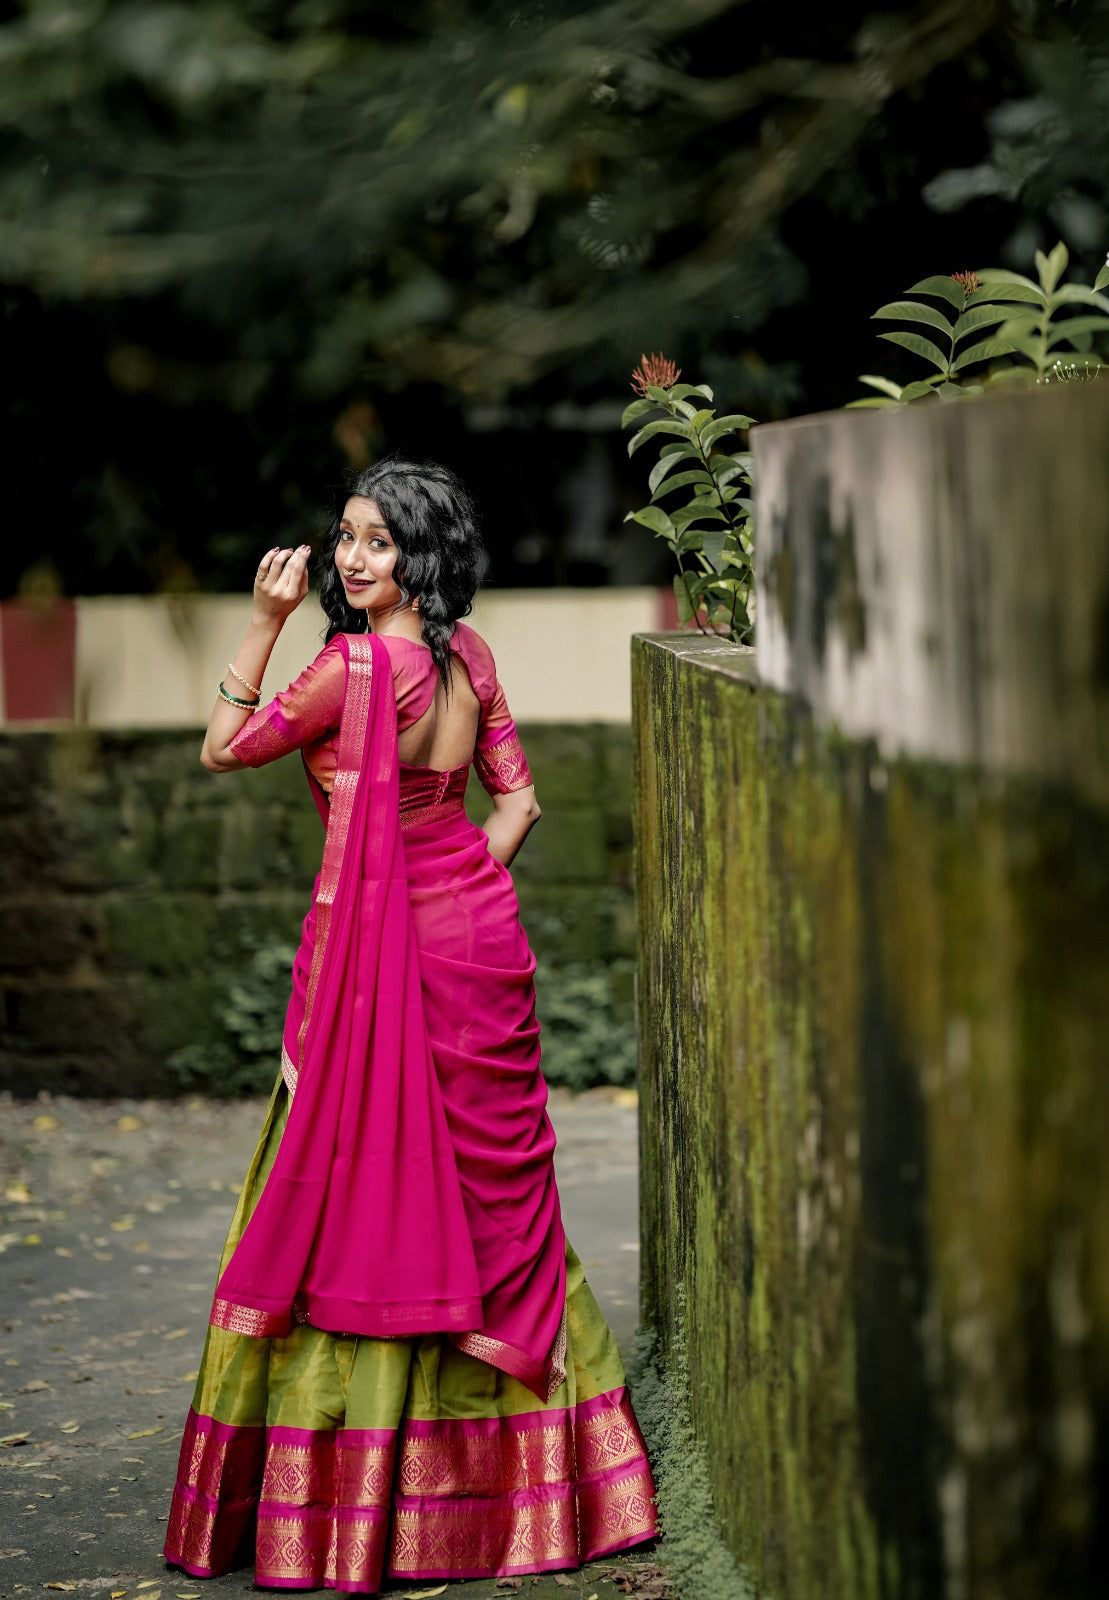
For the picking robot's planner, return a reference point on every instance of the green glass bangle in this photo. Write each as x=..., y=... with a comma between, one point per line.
x=233, y=700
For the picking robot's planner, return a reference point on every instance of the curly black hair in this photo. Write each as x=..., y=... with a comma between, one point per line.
x=440, y=559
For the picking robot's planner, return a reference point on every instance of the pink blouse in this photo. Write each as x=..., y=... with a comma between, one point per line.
x=306, y=715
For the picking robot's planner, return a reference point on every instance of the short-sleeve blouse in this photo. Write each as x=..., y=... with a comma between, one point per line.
x=306, y=715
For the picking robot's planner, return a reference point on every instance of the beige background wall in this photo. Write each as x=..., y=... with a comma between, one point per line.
x=563, y=654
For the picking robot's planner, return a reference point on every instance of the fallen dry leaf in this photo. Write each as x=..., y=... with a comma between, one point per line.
x=178, y=1333
x=415, y=1594
x=44, y=1122
x=18, y=1193
x=71, y=1426
x=564, y=1582
x=30, y=1238
x=10, y=1440
x=148, y=1583
x=34, y=1386
x=513, y=1584
x=128, y=1124
x=118, y=1594
x=58, y=1585
x=145, y=1433
x=122, y=1225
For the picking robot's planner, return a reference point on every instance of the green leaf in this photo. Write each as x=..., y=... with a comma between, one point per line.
x=922, y=387
x=696, y=511
x=686, y=611
x=945, y=287
x=682, y=391
x=636, y=409
x=667, y=462
x=655, y=518
x=913, y=311
x=872, y=402
x=919, y=347
x=886, y=385
x=728, y=470
x=1000, y=284
x=1052, y=267
x=1102, y=279
x=980, y=317
x=722, y=427
x=1076, y=326
x=1078, y=294
x=653, y=429
x=987, y=350
x=680, y=480
x=714, y=549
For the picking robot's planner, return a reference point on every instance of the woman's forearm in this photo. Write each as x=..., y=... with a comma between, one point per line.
x=251, y=660
x=511, y=820
x=280, y=584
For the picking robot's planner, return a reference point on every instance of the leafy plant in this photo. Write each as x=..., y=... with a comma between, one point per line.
x=588, y=1024
x=251, y=1014
x=710, y=530
x=1031, y=322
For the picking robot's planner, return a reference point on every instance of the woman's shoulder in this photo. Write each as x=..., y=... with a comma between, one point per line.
x=478, y=658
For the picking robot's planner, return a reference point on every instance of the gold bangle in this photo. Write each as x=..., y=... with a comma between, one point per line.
x=233, y=700
x=240, y=679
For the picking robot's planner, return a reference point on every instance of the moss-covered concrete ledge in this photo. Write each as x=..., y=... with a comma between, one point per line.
x=938, y=577
x=873, y=1014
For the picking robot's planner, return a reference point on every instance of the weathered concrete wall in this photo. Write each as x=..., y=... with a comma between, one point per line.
x=873, y=1007
x=133, y=883
x=937, y=577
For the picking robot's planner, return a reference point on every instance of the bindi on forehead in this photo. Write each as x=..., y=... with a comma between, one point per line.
x=363, y=515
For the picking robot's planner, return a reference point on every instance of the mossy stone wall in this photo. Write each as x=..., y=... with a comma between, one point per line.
x=133, y=885
x=873, y=1012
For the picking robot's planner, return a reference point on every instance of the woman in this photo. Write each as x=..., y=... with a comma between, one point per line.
x=406, y=1375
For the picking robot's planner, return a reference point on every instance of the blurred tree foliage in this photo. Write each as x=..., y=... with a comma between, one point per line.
x=246, y=245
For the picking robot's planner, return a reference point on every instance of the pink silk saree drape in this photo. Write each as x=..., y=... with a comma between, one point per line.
x=385, y=1212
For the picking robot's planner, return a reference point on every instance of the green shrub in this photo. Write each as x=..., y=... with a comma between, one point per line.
x=251, y=1012
x=588, y=1020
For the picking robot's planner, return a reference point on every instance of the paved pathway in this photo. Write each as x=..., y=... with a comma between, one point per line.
x=112, y=1215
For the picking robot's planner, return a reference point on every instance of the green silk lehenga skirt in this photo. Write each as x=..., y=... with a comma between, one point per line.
x=340, y=1462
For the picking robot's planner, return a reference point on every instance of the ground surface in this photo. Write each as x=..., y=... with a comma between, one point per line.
x=112, y=1215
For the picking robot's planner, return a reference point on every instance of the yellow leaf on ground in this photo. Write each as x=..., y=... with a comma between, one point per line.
x=420, y=1594
x=148, y=1583
x=59, y=1586
x=30, y=1238
x=10, y=1440
x=44, y=1122
x=178, y=1333
x=128, y=1124
x=18, y=1193
x=145, y=1433
x=124, y=1225
x=118, y=1594
x=188, y=1594
x=60, y=1250
x=70, y=1427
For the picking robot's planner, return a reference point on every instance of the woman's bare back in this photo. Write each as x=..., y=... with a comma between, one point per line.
x=443, y=737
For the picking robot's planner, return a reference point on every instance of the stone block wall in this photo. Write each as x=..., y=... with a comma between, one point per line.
x=134, y=886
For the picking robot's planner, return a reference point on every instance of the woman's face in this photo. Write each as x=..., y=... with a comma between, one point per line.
x=365, y=557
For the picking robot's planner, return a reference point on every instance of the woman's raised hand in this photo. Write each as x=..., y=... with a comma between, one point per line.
x=281, y=582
